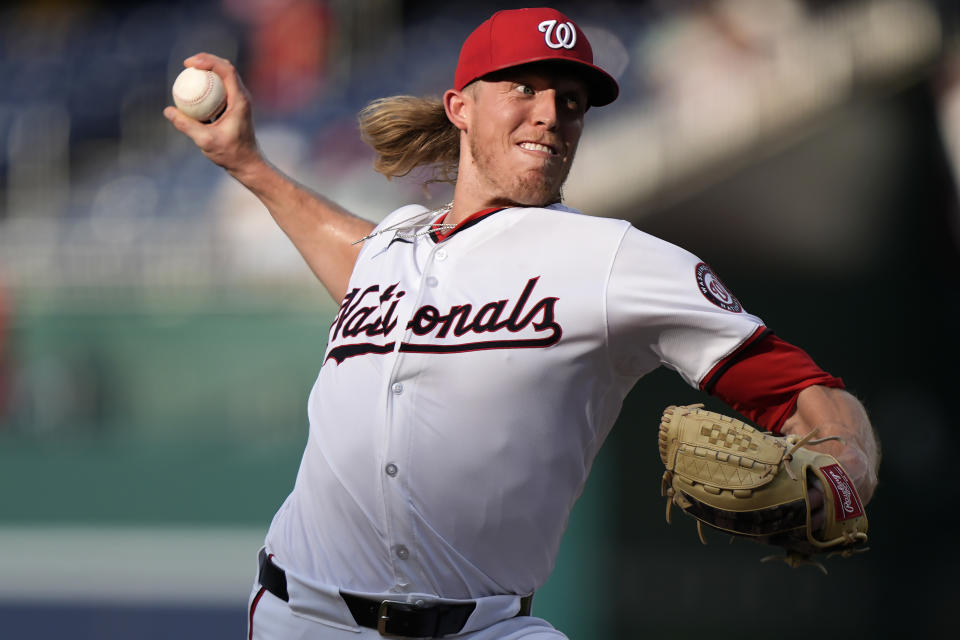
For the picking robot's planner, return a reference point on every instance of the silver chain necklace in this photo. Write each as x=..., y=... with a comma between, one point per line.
x=411, y=228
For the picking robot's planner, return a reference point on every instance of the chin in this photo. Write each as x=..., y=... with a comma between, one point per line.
x=533, y=201
x=536, y=195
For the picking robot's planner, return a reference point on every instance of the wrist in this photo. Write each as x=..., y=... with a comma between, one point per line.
x=857, y=465
x=252, y=171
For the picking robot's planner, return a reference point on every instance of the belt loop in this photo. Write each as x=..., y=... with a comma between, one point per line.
x=526, y=605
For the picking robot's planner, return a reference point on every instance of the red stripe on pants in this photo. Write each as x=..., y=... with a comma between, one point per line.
x=253, y=606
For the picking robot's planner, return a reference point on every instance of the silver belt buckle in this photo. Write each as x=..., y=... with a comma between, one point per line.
x=383, y=613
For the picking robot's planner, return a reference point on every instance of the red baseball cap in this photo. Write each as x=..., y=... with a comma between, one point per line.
x=520, y=36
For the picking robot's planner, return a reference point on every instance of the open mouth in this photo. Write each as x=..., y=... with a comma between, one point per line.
x=536, y=146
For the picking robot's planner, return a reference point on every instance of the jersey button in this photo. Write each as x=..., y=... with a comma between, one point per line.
x=431, y=281
x=441, y=254
x=391, y=469
x=397, y=388
x=402, y=552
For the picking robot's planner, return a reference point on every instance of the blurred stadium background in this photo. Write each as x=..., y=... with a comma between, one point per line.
x=158, y=336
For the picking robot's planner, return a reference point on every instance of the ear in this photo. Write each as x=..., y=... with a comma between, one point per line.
x=457, y=105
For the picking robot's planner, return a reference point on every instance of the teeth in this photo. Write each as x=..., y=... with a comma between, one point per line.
x=533, y=146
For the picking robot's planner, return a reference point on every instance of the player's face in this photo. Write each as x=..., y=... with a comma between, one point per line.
x=524, y=133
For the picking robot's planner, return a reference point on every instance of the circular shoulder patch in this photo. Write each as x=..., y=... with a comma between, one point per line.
x=714, y=290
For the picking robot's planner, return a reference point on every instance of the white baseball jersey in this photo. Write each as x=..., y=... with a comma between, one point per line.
x=467, y=386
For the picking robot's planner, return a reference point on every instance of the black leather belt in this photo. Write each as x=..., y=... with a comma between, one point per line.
x=389, y=617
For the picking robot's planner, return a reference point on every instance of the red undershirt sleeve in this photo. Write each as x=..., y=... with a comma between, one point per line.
x=763, y=378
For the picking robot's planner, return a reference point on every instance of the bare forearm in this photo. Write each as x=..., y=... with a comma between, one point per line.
x=834, y=412
x=323, y=232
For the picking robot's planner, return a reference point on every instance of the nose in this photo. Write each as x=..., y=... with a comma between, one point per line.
x=545, y=109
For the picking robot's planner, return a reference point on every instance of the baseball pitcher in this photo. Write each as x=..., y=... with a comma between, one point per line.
x=481, y=354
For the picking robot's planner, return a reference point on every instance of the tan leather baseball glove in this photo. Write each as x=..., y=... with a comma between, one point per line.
x=747, y=482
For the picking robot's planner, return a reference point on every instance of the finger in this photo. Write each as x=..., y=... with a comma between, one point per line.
x=815, y=491
x=223, y=68
x=203, y=60
x=816, y=498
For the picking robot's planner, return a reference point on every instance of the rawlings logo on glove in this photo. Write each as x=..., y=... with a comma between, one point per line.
x=737, y=479
x=845, y=497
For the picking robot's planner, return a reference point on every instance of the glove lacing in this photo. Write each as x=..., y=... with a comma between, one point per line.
x=797, y=443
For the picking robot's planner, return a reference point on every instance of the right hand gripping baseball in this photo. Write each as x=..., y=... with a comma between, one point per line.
x=734, y=478
x=230, y=141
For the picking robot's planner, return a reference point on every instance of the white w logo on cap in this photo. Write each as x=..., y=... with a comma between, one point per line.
x=565, y=32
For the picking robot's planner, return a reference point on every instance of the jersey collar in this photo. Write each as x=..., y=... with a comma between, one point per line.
x=469, y=221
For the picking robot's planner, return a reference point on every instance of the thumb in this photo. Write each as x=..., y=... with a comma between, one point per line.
x=185, y=124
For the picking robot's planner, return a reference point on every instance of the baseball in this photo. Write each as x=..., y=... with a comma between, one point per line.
x=199, y=94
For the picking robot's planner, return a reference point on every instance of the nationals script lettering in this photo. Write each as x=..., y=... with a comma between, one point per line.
x=516, y=325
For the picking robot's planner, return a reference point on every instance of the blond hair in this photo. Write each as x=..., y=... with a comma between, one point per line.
x=407, y=132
